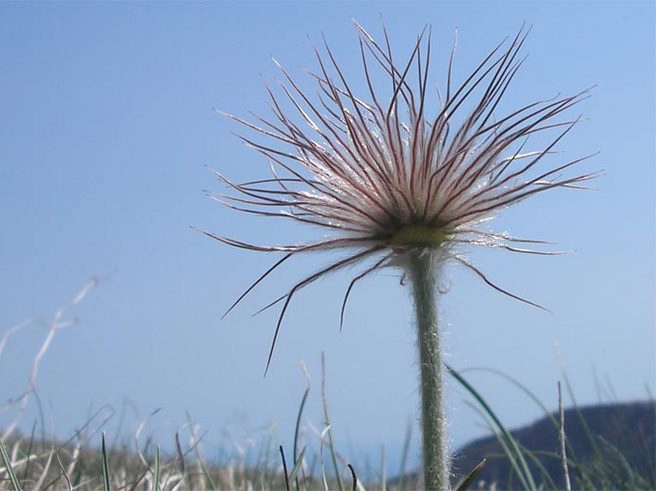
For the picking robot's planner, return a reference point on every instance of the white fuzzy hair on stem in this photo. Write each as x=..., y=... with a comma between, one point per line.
x=384, y=178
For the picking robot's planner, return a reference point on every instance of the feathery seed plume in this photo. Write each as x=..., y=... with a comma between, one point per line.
x=384, y=178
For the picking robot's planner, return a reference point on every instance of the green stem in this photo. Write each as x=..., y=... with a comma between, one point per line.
x=435, y=457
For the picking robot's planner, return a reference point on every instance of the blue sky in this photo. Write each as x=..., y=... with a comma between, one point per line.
x=108, y=131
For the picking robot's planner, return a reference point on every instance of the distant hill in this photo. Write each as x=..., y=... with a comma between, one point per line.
x=620, y=439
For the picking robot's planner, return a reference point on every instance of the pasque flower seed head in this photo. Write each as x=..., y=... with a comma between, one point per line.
x=385, y=178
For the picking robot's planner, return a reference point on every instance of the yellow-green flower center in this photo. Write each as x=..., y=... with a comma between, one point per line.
x=418, y=236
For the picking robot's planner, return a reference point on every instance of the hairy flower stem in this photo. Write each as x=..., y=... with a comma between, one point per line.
x=435, y=457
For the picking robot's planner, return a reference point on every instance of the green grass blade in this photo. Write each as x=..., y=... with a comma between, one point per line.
x=533, y=397
x=354, y=477
x=29, y=453
x=12, y=475
x=530, y=483
x=520, y=386
x=538, y=464
x=207, y=474
x=331, y=444
x=623, y=474
x=586, y=428
x=383, y=470
x=284, y=468
x=105, y=465
x=297, y=431
x=199, y=456
x=507, y=451
x=297, y=466
x=69, y=485
x=156, y=471
x=404, y=456
x=469, y=479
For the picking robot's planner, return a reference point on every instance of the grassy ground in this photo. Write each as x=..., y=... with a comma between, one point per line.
x=90, y=460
